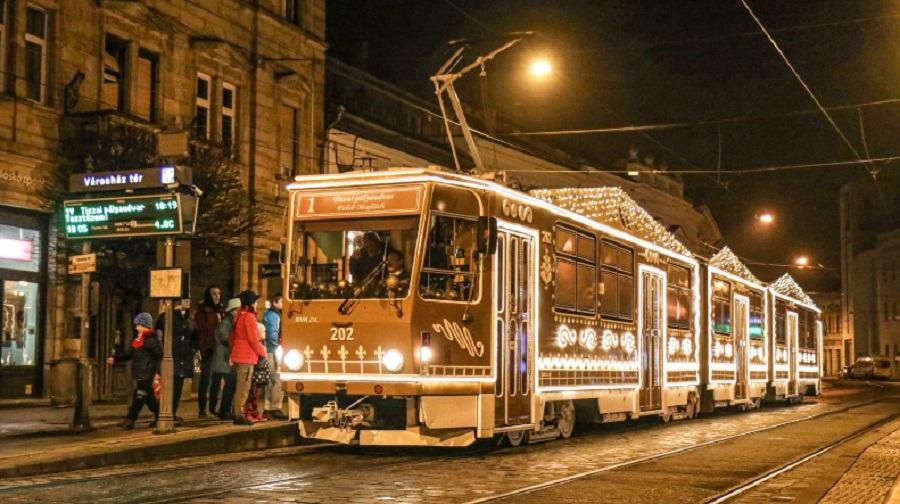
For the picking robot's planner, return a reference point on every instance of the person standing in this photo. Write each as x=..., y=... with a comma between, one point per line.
x=245, y=350
x=207, y=318
x=274, y=395
x=184, y=344
x=222, y=371
x=146, y=352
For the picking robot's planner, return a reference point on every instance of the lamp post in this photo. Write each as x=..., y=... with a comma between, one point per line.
x=165, y=424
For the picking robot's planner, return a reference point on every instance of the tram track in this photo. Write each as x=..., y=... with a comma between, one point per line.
x=565, y=480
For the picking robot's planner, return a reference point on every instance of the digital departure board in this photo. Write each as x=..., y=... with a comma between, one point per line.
x=123, y=217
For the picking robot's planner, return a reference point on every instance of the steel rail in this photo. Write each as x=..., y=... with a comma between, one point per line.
x=650, y=458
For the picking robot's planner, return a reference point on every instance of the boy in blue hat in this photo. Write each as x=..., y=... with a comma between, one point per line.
x=146, y=352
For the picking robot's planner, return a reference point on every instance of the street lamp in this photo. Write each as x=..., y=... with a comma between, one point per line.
x=802, y=261
x=765, y=218
x=540, y=68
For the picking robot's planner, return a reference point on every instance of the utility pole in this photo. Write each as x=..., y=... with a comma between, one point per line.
x=165, y=424
x=82, y=415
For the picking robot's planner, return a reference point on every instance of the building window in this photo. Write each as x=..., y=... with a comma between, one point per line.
x=288, y=145
x=114, y=66
x=201, y=118
x=576, y=271
x=36, y=54
x=679, y=296
x=617, y=277
x=722, y=306
x=229, y=104
x=3, y=33
x=756, y=315
x=292, y=11
x=147, y=68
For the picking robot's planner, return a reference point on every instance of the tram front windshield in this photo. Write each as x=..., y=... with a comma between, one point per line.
x=339, y=259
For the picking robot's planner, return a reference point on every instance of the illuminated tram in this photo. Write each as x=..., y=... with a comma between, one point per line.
x=795, y=367
x=431, y=308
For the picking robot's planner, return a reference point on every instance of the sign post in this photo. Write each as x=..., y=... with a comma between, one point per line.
x=82, y=415
x=165, y=283
x=86, y=263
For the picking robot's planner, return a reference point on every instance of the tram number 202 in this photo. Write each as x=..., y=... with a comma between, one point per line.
x=342, y=334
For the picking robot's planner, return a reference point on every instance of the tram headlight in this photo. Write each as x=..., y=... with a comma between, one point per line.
x=293, y=360
x=392, y=360
x=425, y=354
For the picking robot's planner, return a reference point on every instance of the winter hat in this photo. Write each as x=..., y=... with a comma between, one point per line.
x=143, y=319
x=234, y=304
x=248, y=297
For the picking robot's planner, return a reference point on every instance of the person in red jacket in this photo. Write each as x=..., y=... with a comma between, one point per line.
x=246, y=350
x=206, y=319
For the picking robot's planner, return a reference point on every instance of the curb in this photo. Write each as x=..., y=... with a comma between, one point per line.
x=166, y=448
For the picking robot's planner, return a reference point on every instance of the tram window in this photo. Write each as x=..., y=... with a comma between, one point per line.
x=780, y=326
x=756, y=315
x=722, y=306
x=803, y=329
x=575, y=271
x=450, y=262
x=679, y=297
x=617, y=275
x=342, y=258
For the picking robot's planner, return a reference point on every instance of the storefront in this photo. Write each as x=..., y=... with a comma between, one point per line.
x=23, y=287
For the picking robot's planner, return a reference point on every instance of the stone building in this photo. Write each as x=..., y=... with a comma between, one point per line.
x=870, y=265
x=375, y=125
x=244, y=76
x=837, y=351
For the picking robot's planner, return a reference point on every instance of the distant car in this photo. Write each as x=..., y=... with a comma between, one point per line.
x=846, y=372
x=868, y=368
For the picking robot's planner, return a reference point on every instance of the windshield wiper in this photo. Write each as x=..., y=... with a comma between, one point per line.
x=349, y=301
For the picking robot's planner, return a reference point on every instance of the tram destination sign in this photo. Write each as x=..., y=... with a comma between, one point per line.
x=357, y=203
x=144, y=178
x=123, y=217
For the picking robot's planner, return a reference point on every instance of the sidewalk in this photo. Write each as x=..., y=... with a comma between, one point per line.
x=35, y=438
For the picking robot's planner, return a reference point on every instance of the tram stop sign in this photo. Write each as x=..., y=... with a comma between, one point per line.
x=86, y=263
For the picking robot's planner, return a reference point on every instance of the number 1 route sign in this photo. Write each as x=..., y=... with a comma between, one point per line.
x=123, y=217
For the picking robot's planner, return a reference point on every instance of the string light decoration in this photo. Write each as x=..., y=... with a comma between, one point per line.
x=613, y=206
x=786, y=286
x=725, y=260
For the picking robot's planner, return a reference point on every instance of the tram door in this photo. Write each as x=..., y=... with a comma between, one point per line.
x=741, y=314
x=514, y=325
x=792, y=330
x=652, y=286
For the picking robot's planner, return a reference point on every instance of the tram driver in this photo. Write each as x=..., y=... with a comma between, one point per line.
x=368, y=257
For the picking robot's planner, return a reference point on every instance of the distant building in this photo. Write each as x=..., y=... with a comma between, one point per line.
x=376, y=125
x=837, y=348
x=870, y=264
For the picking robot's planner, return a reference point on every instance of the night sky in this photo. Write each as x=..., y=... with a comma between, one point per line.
x=705, y=65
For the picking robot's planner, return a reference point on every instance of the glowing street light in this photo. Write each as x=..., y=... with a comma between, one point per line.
x=801, y=261
x=766, y=218
x=541, y=68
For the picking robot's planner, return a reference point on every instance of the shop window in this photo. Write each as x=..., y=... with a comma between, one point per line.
x=756, y=315
x=288, y=147
x=20, y=323
x=722, y=306
x=576, y=271
x=679, y=296
x=617, y=277
x=448, y=268
x=201, y=117
x=229, y=105
x=147, y=68
x=36, y=54
x=20, y=248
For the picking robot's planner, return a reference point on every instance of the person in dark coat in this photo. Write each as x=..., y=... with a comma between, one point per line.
x=146, y=353
x=207, y=318
x=224, y=376
x=367, y=258
x=184, y=344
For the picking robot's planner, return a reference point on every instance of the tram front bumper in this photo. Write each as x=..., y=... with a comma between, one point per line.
x=412, y=436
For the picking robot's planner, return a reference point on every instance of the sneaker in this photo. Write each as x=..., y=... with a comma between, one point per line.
x=276, y=414
x=225, y=417
x=128, y=424
x=243, y=421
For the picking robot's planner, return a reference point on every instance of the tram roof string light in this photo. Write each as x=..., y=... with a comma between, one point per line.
x=443, y=84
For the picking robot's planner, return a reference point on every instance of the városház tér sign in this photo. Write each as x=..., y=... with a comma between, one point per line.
x=123, y=217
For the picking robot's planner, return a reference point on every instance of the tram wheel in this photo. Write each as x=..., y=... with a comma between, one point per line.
x=690, y=409
x=666, y=415
x=567, y=418
x=517, y=438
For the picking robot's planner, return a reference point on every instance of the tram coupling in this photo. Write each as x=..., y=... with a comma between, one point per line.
x=346, y=418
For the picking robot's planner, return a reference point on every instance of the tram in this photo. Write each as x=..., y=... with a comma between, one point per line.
x=795, y=367
x=431, y=308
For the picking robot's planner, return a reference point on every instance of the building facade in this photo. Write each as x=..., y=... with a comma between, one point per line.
x=870, y=264
x=837, y=350
x=246, y=77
